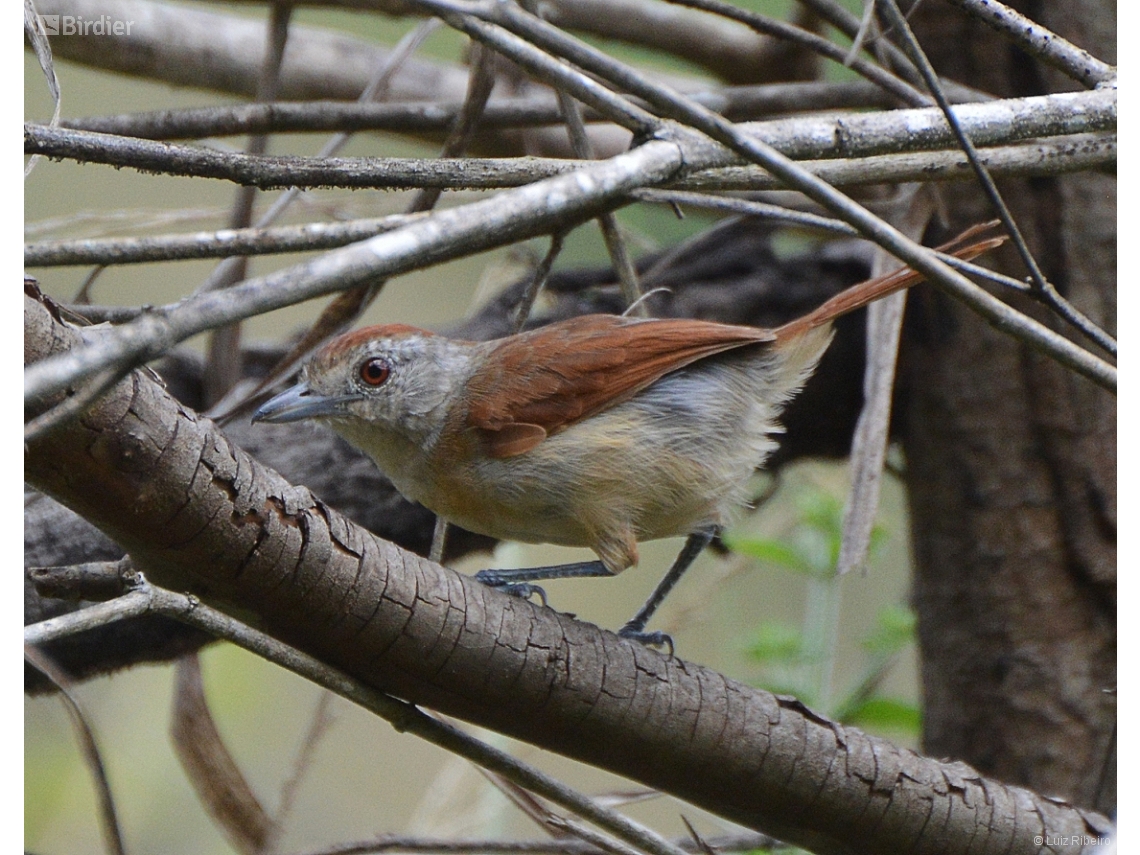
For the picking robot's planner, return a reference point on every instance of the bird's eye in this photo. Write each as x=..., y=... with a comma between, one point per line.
x=375, y=371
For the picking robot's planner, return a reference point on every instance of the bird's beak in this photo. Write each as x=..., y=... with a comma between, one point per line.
x=297, y=403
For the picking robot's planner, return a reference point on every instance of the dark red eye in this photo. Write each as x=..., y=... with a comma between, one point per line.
x=375, y=371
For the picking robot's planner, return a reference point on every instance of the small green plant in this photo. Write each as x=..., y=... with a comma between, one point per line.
x=800, y=660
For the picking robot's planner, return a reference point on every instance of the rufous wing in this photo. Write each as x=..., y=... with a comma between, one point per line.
x=536, y=384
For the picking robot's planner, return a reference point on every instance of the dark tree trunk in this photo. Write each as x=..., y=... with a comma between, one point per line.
x=1012, y=468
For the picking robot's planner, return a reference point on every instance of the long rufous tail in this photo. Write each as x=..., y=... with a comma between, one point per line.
x=965, y=246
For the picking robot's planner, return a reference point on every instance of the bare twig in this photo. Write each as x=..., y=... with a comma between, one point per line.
x=226, y=242
x=805, y=219
x=537, y=282
x=1053, y=156
x=1041, y=286
x=851, y=25
x=397, y=845
x=869, y=443
x=112, y=835
x=615, y=244
x=740, y=103
x=1049, y=157
x=1040, y=42
x=90, y=580
x=210, y=767
x=783, y=30
x=37, y=37
x=846, y=143
x=510, y=216
x=670, y=103
x=223, y=346
x=319, y=724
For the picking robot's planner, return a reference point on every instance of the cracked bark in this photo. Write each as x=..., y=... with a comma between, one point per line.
x=198, y=514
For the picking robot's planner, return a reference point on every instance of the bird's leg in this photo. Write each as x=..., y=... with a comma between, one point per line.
x=635, y=628
x=517, y=582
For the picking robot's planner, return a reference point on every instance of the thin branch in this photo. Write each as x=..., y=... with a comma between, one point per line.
x=219, y=244
x=480, y=84
x=620, y=258
x=438, y=540
x=846, y=142
x=37, y=38
x=210, y=767
x=541, y=814
x=740, y=103
x=113, y=836
x=378, y=87
x=851, y=25
x=670, y=103
x=930, y=77
x=805, y=219
x=1040, y=42
x=537, y=283
x=911, y=212
x=89, y=580
x=1050, y=157
x=404, y=717
x=132, y=604
x=319, y=724
x=398, y=845
x=1043, y=289
x=546, y=67
x=223, y=345
x=783, y=30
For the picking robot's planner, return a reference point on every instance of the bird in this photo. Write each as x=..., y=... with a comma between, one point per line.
x=599, y=431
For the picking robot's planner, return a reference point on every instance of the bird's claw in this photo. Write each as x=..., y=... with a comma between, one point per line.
x=523, y=590
x=650, y=639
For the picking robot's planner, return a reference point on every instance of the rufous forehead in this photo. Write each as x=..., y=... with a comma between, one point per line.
x=351, y=340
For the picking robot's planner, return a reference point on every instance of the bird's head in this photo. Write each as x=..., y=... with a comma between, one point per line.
x=376, y=382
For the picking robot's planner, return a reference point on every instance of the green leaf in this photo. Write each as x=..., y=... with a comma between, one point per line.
x=823, y=512
x=887, y=714
x=777, y=642
x=895, y=631
x=766, y=549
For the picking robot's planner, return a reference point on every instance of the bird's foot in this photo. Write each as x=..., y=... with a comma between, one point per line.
x=650, y=639
x=523, y=590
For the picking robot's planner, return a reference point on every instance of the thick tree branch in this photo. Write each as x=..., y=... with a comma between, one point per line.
x=197, y=513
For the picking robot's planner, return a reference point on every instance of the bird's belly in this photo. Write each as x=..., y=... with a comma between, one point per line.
x=594, y=483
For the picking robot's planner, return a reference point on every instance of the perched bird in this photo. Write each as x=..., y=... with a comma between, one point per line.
x=597, y=431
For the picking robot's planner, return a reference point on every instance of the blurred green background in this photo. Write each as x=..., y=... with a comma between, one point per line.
x=780, y=620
